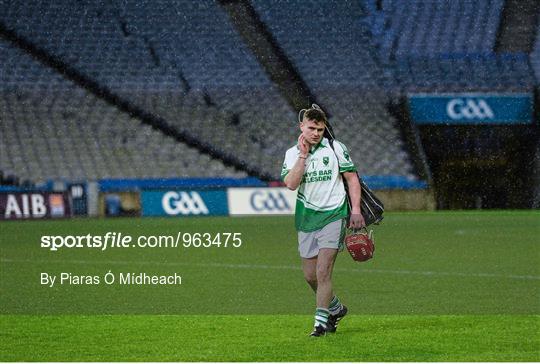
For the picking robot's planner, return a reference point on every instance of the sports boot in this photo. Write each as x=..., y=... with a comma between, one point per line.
x=333, y=320
x=318, y=331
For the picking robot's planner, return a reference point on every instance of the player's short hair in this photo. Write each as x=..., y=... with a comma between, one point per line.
x=314, y=113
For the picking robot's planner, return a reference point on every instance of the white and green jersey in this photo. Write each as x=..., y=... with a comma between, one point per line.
x=321, y=194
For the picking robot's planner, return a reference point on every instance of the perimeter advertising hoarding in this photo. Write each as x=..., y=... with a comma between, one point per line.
x=33, y=205
x=261, y=201
x=79, y=198
x=471, y=109
x=184, y=203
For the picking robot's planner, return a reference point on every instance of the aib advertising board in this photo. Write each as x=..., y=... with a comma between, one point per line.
x=33, y=205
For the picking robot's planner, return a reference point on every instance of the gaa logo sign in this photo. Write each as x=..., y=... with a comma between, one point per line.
x=267, y=201
x=468, y=108
x=183, y=203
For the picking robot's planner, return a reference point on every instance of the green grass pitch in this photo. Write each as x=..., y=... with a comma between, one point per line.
x=443, y=286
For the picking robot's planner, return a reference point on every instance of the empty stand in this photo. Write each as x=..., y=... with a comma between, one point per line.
x=180, y=60
x=466, y=73
x=431, y=27
x=184, y=62
x=51, y=129
x=446, y=46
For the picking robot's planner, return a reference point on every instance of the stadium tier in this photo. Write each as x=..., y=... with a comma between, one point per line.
x=446, y=46
x=185, y=64
x=488, y=72
x=53, y=129
x=432, y=27
x=188, y=65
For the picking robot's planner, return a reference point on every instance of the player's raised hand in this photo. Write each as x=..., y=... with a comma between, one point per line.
x=303, y=145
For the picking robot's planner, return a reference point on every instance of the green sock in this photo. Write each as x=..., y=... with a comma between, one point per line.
x=321, y=316
x=335, y=305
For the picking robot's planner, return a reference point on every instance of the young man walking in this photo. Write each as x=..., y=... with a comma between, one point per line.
x=317, y=170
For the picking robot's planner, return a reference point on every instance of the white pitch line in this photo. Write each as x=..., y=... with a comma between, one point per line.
x=278, y=267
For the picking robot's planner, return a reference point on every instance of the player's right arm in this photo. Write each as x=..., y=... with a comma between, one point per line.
x=294, y=177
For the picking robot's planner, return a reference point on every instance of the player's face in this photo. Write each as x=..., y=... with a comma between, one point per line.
x=313, y=131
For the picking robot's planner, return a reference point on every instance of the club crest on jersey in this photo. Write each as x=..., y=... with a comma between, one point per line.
x=346, y=155
x=326, y=160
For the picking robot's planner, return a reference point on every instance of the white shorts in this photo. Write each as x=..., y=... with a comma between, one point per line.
x=331, y=236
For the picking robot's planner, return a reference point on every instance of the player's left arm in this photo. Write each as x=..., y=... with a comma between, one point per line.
x=355, y=194
x=348, y=170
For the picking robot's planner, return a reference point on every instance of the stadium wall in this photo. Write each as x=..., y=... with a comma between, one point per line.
x=178, y=197
x=407, y=200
